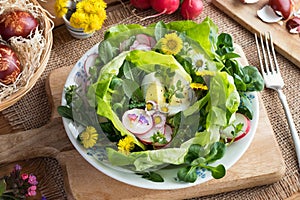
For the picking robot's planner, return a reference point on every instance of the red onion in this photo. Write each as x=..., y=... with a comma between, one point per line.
x=17, y=23
x=10, y=66
x=293, y=25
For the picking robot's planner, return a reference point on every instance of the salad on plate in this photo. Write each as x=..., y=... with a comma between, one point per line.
x=169, y=96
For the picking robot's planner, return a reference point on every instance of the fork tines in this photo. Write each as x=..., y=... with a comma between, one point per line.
x=266, y=59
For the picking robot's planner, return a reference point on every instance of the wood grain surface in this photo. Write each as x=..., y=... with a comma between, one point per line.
x=245, y=14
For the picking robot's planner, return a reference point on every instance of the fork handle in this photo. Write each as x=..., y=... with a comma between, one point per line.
x=291, y=123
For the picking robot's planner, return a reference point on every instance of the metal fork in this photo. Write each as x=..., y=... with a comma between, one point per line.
x=273, y=80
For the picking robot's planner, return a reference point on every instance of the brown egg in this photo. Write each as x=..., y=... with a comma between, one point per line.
x=10, y=66
x=17, y=23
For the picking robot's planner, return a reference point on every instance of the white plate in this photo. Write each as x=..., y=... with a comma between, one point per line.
x=232, y=155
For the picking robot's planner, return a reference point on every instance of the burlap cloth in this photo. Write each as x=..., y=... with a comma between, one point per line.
x=33, y=110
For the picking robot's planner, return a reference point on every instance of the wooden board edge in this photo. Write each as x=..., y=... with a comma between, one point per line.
x=239, y=20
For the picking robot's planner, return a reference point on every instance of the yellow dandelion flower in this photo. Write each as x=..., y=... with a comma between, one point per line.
x=205, y=73
x=198, y=86
x=101, y=13
x=126, y=144
x=60, y=7
x=100, y=4
x=90, y=7
x=171, y=44
x=85, y=7
x=89, y=137
x=79, y=20
x=94, y=23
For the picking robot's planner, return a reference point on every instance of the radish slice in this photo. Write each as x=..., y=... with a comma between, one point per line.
x=268, y=15
x=240, y=119
x=89, y=62
x=147, y=137
x=137, y=121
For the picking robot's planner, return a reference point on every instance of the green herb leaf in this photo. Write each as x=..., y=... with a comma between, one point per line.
x=254, y=79
x=2, y=186
x=217, y=172
x=245, y=107
x=65, y=111
x=106, y=51
x=160, y=30
x=159, y=138
x=217, y=151
x=187, y=174
x=151, y=176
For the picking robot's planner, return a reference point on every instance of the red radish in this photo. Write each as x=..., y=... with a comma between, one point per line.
x=10, y=66
x=190, y=9
x=137, y=121
x=17, y=23
x=163, y=7
x=240, y=118
x=141, y=4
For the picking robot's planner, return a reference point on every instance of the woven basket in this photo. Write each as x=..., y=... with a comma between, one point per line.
x=47, y=33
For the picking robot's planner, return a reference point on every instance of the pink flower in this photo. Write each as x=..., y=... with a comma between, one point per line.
x=31, y=191
x=24, y=176
x=32, y=180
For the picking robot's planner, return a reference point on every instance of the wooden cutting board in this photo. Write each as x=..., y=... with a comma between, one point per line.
x=286, y=44
x=261, y=164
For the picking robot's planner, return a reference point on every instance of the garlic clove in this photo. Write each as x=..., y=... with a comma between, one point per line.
x=268, y=15
x=249, y=1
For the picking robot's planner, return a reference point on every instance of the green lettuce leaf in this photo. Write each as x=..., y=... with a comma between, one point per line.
x=146, y=60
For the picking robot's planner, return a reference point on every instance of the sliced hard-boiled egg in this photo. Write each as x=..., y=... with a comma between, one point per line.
x=153, y=89
x=182, y=100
